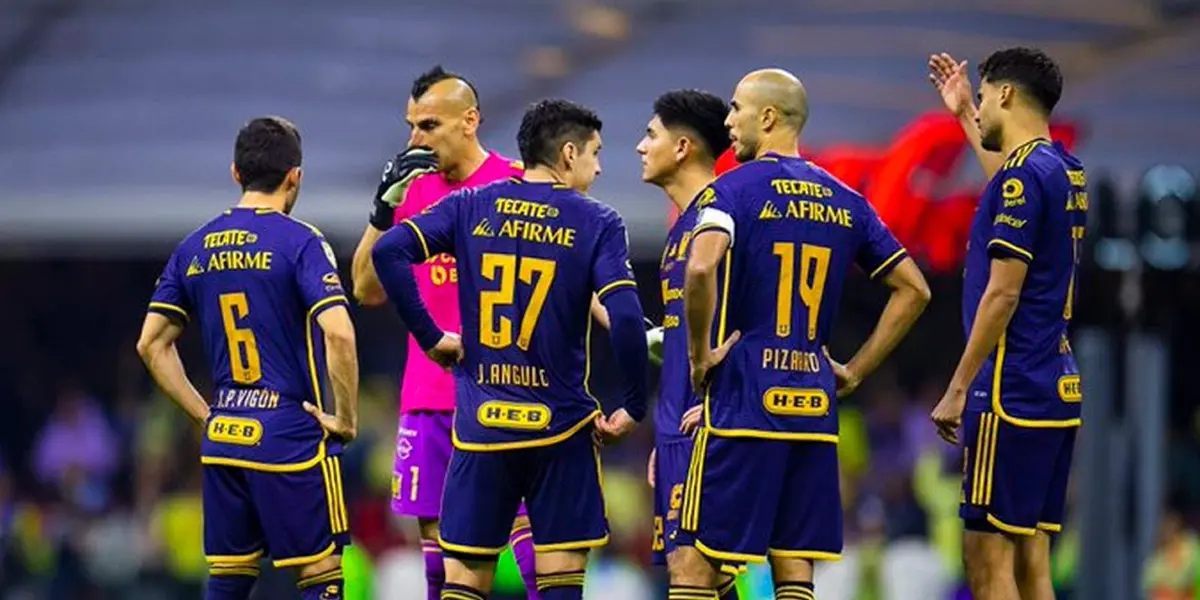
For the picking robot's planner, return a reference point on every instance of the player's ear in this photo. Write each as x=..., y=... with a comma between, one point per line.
x=1006, y=93
x=683, y=146
x=768, y=118
x=294, y=176
x=237, y=177
x=570, y=153
x=471, y=121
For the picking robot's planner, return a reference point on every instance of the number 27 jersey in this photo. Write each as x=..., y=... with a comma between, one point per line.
x=795, y=230
x=530, y=256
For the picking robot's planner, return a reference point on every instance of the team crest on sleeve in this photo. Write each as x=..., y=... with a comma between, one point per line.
x=331, y=281
x=329, y=253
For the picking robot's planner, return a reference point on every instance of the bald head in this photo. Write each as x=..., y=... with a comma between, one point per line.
x=777, y=89
x=454, y=95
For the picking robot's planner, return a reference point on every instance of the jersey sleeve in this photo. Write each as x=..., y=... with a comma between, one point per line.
x=434, y=227
x=880, y=251
x=1018, y=216
x=717, y=211
x=612, y=269
x=317, y=276
x=169, y=298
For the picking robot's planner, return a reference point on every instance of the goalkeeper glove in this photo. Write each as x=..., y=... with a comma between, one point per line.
x=398, y=175
x=654, y=342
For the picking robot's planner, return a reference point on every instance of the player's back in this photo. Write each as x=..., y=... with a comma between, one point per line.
x=254, y=281
x=796, y=230
x=1034, y=210
x=528, y=256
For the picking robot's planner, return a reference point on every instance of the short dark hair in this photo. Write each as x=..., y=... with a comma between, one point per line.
x=266, y=149
x=549, y=124
x=426, y=80
x=700, y=112
x=1029, y=69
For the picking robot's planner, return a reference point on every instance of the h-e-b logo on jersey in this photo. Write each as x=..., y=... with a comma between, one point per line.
x=514, y=415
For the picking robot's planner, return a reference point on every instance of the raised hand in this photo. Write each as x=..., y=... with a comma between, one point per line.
x=951, y=80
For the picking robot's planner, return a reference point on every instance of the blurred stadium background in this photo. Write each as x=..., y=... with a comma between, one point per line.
x=116, y=126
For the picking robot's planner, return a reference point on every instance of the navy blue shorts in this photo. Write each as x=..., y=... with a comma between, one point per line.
x=746, y=498
x=1014, y=478
x=671, y=458
x=560, y=484
x=296, y=518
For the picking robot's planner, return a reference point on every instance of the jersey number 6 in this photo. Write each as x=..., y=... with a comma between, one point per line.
x=244, y=365
x=497, y=332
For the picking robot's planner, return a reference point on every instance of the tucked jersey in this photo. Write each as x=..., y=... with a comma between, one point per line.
x=1033, y=210
x=675, y=395
x=530, y=256
x=795, y=231
x=254, y=280
x=426, y=386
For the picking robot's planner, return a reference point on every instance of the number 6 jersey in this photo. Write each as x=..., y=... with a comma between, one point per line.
x=794, y=232
x=255, y=280
x=530, y=256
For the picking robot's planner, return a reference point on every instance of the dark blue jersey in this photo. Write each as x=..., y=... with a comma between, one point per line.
x=675, y=395
x=795, y=231
x=530, y=256
x=1034, y=210
x=254, y=280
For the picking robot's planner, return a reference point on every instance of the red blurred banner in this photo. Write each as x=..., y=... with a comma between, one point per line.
x=910, y=182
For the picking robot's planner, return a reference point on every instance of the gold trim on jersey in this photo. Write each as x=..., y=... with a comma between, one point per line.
x=729, y=556
x=615, y=285
x=234, y=559
x=1017, y=157
x=805, y=554
x=420, y=237
x=548, y=441
x=998, y=406
x=171, y=308
x=689, y=518
x=901, y=253
x=1011, y=246
x=331, y=472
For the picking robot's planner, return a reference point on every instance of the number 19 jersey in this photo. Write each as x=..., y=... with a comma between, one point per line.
x=530, y=256
x=255, y=280
x=795, y=230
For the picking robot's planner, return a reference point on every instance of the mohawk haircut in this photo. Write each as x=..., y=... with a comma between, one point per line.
x=1030, y=69
x=700, y=113
x=267, y=148
x=426, y=80
x=548, y=125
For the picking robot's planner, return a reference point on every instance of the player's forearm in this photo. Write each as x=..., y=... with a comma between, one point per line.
x=995, y=310
x=629, y=345
x=903, y=309
x=367, y=289
x=167, y=370
x=394, y=255
x=699, y=304
x=988, y=160
x=599, y=313
x=341, y=355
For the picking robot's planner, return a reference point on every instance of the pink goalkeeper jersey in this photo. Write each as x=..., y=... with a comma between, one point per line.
x=426, y=386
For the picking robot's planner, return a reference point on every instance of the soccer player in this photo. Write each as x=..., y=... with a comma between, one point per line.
x=1017, y=380
x=679, y=151
x=259, y=283
x=531, y=253
x=769, y=254
x=444, y=155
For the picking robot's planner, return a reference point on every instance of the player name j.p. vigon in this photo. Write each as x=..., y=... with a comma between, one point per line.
x=511, y=374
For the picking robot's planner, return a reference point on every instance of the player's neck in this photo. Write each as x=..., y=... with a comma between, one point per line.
x=686, y=184
x=473, y=158
x=543, y=174
x=262, y=200
x=785, y=143
x=1023, y=131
